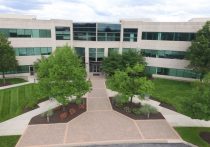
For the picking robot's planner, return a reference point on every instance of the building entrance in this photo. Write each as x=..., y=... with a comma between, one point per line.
x=96, y=55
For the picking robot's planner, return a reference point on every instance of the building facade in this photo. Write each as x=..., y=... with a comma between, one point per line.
x=163, y=44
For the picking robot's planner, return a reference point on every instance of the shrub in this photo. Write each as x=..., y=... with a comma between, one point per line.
x=120, y=100
x=136, y=111
x=127, y=109
x=148, y=109
x=72, y=111
x=82, y=106
x=79, y=101
x=63, y=115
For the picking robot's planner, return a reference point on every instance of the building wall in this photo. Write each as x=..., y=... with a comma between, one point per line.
x=142, y=26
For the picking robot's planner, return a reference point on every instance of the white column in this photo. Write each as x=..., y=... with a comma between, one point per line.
x=105, y=52
x=87, y=60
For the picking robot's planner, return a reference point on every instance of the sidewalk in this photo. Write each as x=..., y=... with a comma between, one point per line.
x=17, y=125
x=15, y=85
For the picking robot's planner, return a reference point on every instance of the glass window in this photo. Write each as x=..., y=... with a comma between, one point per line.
x=37, y=51
x=28, y=33
x=44, y=51
x=92, y=54
x=100, y=54
x=30, y=51
x=22, y=52
x=62, y=33
x=13, y=32
x=20, y=32
x=130, y=34
x=35, y=33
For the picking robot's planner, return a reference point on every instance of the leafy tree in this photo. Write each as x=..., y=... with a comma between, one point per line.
x=199, y=106
x=7, y=56
x=112, y=63
x=130, y=82
x=199, y=51
x=61, y=76
x=121, y=61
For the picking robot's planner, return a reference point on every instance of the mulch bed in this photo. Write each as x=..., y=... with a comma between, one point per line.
x=72, y=110
x=205, y=136
x=165, y=105
x=132, y=115
x=6, y=84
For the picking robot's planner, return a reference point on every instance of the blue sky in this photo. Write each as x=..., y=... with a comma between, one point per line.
x=109, y=10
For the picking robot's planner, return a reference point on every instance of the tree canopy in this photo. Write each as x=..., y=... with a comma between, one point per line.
x=199, y=51
x=62, y=75
x=199, y=106
x=130, y=82
x=121, y=61
x=7, y=56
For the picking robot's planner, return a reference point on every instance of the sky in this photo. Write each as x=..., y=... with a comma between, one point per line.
x=109, y=10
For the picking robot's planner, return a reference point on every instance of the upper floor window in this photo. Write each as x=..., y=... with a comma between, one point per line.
x=130, y=34
x=62, y=33
x=26, y=33
x=84, y=31
x=170, y=36
x=108, y=32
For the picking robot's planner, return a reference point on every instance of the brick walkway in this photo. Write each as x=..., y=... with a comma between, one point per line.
x=99, y=125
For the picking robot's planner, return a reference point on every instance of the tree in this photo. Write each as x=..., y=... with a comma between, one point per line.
x=120, y=62
x=199, y=51
x=199, y=106
x=7, y=57
x=131, y=82
x=62, y=75
x=147, y=109
x=112, y=63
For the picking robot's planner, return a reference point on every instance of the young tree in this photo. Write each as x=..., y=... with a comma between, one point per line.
x=131, y=82
x=199, y=51
x=120, y=62
x=7, y=56
x=112, y=63
x=199, y=106
x=61, y=76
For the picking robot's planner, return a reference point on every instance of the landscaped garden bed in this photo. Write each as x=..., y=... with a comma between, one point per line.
x=135, y=111
x=205, y=136
x=60, y=114
x=196, y=135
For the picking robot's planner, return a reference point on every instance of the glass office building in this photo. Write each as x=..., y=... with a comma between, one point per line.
x=163, y=44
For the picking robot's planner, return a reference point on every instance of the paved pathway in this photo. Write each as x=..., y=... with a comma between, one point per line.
x=15, y=85
x=17, y=125
x=99, y=125
x=175, y=119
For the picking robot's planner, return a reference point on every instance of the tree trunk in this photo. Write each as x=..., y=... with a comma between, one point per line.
x=148, y=115
x=3, y=76
x=131, y=100
x=48, y=119
x=63, y=108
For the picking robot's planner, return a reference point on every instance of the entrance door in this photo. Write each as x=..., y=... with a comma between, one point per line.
x=31, y=70
x=95, y=67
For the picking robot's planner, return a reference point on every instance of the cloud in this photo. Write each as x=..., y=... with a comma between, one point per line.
x=109, y=10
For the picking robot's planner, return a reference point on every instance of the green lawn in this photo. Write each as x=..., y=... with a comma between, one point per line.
x=8, y=141
x=13, y=80
x=191, y=134
x=14, y=100
x=172, y=92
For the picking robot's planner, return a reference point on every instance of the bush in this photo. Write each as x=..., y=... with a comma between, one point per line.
x=72, y=111
x=148, y=109
x=79, y=101
x=120, y=100
x=127, y=109
x=136, y=111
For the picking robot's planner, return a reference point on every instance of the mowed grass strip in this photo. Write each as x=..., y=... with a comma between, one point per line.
x=172, y=92
x=14, y=100
x=8, y=141
x=191, y=134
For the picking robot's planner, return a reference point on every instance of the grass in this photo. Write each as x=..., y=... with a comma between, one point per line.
x=8, y=141
x=13, y=80
x=172, y=92
x=191, y=134
x=14, y=100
